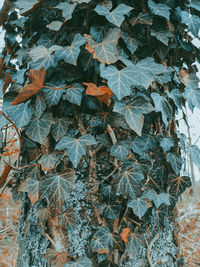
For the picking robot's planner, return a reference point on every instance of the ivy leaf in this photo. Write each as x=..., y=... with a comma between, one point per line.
x=67, y=218
x=82, y=262
x=107, y=192
x=159, y=9
x=103, y=93
x=106, y=51
x=20, y=114
x=55, y=25
x=119, y=151
x=70, y=53
x=192, y=21
x=48, y=162
x=136, y=148
x=74, y=94
x=40, y=106
x=166, y=143
x=192, y=93
x=195, y=155
x=146, y=142
x=149, y=70
x=52, y=97
x=179, y=184
x=56, y=188
x=158, y=199
x=119, y=81
x=162, y=105
x=142, y=18
x=195, y=4
x=176, y=96
x=175, y=161
x=133, y=112
x=38, y=128
x=128, y=182
x=162, y=36
x=60, y=128
x=116, y=16
x=30, y=186
x=102, y=240
x=67, y=9
x=26, y=5
x=111, y=211
x=135, y=242
x=132, y=44
x=139, y=206
x=37, y=79
x=42, y=57
x=76, y=148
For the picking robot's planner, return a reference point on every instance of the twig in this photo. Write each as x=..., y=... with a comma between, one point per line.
x=6, y=229
x=13, y=124
x=149, y=247
x=56, y=88
x=112, y=134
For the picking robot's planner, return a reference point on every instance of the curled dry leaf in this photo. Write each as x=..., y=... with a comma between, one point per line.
x=103, y=93
x=8, y=80
x=37, y=79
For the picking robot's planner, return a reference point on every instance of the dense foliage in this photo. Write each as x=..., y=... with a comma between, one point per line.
x=93, y=88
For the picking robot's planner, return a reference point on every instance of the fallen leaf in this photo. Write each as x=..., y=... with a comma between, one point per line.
x=8, y=80
x=37, y=79
x=103, y=93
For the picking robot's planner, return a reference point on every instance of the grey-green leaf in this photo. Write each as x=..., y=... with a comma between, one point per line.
x=175, y=161
x=139, y=206
x=159, y=9
x=53, y=96
x=76, y=148
x=60, y=128
x=119, y=151
x=74, y=94
x=38, y=128
x=166, y=143
x=40, y=106
x=158, y=199
x=81, y=262
x=111, y=211
x=48, y=162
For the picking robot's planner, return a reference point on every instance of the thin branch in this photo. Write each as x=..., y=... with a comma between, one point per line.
x=112, y=134
x=56, y=88
x=13, y=124
x=149, y=247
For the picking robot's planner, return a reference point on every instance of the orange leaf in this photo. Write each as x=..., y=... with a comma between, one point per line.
x=8, y=80
x=37, y=79
x=124, y=234
x=103, y=93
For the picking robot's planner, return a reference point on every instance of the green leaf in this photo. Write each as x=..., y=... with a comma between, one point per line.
x=162, y=35
x=192, y=21
x=164, y=78
x=107, y=192
x=48, y=162
x=70, y=53
x=132, y=44
x=82, y=262
x=192, y=92
x=142, y=18
x=102, y=240
x=52, y=97
x=25, y=5
x=159, y=9
x=60, y=128
x=195, y=4
x=133, y=112
x=116, y=16
x=106, y=51
x=41, y=57
x=55, y=25
x=162, y=105
x=146, y=142
x=40, y=106
x=139, y=206
x=135, y=243
x=149, y=69
x=76, y=148
x=119, y=151
x=74, y=94
x=158, y=199
x=19, y=114
x=67, y=9
x=38, y=128
x=176, y=96
x=136, y=148
x=195, y=155
x=179, y=184
x=56, y=188
x=175, y=161
x=128, y=182
x=166, y=143
x=111, y=211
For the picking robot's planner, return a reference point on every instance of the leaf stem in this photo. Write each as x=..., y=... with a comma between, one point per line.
x=56, y=88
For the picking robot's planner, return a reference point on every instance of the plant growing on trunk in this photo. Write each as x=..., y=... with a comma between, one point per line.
x=92, y=89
